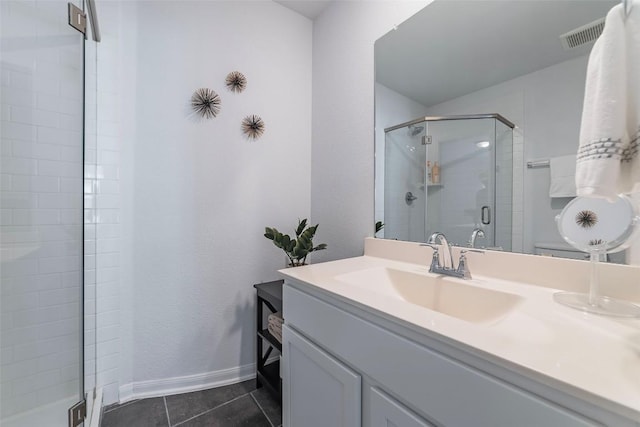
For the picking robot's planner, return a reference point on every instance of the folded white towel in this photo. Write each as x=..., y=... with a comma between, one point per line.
x=562, y=171
x=608, y=161
x=276, y=332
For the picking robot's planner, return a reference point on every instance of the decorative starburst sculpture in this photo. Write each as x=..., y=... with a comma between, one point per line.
x=206, y=103
x=253, y=126
x=586, y=219
x=596, y=242
x=236, y=81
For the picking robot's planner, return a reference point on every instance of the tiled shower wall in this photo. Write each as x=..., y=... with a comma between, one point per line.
x=102, y=207
x=41, y=200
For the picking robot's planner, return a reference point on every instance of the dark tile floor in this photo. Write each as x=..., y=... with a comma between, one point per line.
x=236, y=405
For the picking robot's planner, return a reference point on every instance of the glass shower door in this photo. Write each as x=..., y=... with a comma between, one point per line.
x=462, y=190
x=405, y=198
x=41, y=230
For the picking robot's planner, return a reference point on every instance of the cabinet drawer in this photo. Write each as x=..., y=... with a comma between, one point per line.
x=438, y=387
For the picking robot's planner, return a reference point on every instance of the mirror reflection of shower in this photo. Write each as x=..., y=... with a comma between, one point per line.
x=458, y=172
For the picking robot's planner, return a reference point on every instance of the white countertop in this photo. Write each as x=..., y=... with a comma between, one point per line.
x=597, y=357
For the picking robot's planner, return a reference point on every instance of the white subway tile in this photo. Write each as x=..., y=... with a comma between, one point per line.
x=70, y=122
x=16, y=200
x=45, y=184
x=36, y=216
x=49, y=281
x=5, y=182
x=60, y=232
x=71, y=216
x=58, y=265
x=109, y=318
x=58, y=104
x=59, y=168
x=58, y=391
x=43, y=118
x=19, y=267
x=108, y=186
x=16, y=96
x=18, y=131
x=39, y=316
x=71, y=153
x=71, y=185
x=5, y=216
x=59, y=201
x=107, y=245
x=59, y=328
x=18, y=166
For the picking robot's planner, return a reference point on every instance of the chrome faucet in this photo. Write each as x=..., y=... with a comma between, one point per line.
x=433, y=240
x=477, y=232
x=462, y=271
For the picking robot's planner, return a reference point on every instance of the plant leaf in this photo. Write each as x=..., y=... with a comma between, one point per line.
x=301, y=226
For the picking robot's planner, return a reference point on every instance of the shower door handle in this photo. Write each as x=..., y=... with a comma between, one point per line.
x=485, y=215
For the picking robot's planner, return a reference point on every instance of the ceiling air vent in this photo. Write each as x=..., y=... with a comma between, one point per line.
x=582, y=35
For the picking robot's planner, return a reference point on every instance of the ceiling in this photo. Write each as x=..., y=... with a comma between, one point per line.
x=309, y=8
x=451, y=48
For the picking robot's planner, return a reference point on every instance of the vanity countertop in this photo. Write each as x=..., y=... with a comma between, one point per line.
x=592, y=357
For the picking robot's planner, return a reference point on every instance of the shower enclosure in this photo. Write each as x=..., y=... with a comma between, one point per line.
x=47, y=235
x=450, y=174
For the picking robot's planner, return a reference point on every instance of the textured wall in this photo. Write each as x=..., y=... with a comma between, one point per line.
x=342, y=154
x=197, y=194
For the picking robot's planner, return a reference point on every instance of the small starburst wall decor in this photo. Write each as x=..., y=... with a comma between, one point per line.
x=206, y=103
x=253, y=126
x=586, y=219
x=236, y=81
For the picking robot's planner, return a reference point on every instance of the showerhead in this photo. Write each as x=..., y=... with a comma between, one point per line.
x=415, y=129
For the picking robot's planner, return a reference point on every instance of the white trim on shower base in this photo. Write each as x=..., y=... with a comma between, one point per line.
x=96, y=409
x=188, y=383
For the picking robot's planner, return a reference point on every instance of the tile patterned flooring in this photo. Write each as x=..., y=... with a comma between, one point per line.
x=236, y=405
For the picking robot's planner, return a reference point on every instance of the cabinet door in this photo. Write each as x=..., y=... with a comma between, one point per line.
x=319, y=391
x=387, y=412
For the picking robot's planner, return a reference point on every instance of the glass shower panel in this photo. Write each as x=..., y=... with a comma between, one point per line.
x=404, y=184
x=461, y=197
x=41, y=233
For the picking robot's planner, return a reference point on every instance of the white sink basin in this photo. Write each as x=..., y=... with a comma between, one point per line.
x=438, y=293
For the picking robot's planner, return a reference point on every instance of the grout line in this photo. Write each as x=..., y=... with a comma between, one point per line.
x=212, y=409
x=114, y=407
x=166, y=410
x=261, y=410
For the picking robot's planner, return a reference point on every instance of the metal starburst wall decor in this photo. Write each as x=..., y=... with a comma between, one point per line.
x=253, y=126
x=586, y=219
x=236, y=81
x=206, y=103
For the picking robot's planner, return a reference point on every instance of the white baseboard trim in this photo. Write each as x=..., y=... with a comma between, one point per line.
x=187, y=383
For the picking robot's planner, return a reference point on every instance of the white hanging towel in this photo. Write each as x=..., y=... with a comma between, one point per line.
x=562, y=173
x=608, y=161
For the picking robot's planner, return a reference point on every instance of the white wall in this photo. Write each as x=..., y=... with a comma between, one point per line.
x=342, y=154
x=196, y=195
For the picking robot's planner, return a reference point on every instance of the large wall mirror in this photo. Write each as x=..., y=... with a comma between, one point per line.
x=474, y=101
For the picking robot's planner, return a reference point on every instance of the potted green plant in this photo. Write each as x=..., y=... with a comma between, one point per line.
x=299, y=248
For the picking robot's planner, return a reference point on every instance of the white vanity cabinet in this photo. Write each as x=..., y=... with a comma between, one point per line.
x=347, y=366
x=320, y=391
